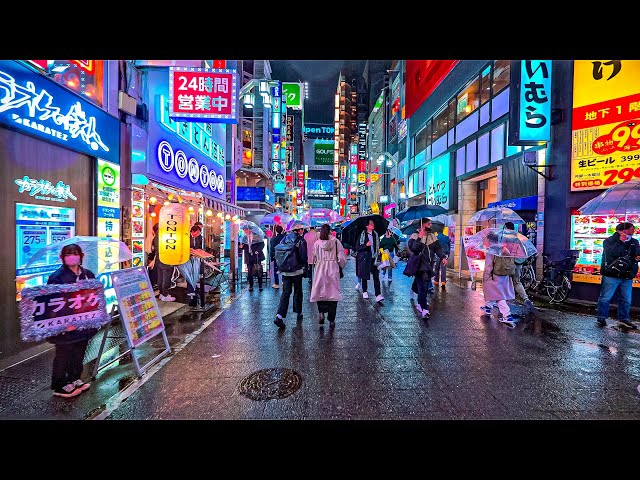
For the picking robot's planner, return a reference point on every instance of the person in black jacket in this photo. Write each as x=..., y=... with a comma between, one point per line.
x=292, y=278
x=277, y=238
x=163, y=270
x=424, y=247
x=253, y=257
x=367, y=253
x=72, y=344
x=616, y=275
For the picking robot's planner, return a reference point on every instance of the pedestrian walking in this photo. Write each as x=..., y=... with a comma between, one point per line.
x=497, y=288
x=195, y=243
x=253, y=258
x=163, y=271
x=424, y=247
x=440, y=270
x=620, y=257
x=390, y=243
x=515, y=278
x=72, y=344
x=291, y=257
x=328, y=258
x=367, y=253
x=275, y=240
x=311, y=237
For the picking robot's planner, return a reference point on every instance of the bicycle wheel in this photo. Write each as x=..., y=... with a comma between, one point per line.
x=559, y=293
x=528, y=278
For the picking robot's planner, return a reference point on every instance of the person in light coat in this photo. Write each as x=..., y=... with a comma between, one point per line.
x=328, y=255
x=496, y=288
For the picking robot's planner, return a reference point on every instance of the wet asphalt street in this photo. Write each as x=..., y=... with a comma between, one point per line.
x=383, y=362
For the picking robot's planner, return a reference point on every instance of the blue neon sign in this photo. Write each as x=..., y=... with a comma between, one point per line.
x=530, y=99
x=38, y=106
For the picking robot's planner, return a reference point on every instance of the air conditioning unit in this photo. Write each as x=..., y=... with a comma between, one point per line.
x=127, y=103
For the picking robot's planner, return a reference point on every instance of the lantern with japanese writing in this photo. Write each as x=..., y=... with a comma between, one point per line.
x=173, y=229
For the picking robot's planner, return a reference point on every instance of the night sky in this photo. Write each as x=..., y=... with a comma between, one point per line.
x=322, y=76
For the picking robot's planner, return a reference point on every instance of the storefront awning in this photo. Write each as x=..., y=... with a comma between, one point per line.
x=522, y=203
x=223, y=206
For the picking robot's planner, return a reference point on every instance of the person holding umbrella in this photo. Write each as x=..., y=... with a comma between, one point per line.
x=497, y=288
x=389, y=243
x=367, y=252
x=253, y=257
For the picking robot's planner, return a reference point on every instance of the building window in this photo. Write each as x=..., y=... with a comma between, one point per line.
x=501, y=75
x=421, y=139
x=468, y=99
x=440, y=124
x=485, y=85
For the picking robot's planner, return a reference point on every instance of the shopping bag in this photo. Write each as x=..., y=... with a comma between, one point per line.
x=392, y=264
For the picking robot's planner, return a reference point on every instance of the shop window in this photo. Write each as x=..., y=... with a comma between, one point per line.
x=487, y=192
x=483, y=150
x=440, y=124
x=497, y=143
x=420, y=159
x=501, y=75
x=460, y=161
x=421, y=140
x=471, y=156
x=468, y=99
x=485, y=85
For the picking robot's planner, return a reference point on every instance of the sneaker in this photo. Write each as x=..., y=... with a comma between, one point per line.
x=601, y=322
x=167, y=298
x=81, y=385
x=275, y=285
x=419, y=308
x=365, y=295
x=508, y=321
x=358, y=286
x=260, y=289
x=436, y=283
x=68, y=391
x=486, y=309
x=251, y=289
x=442, y=285
x=628, y=324
x=278, y=321
x=425, y=313
x=379, y=298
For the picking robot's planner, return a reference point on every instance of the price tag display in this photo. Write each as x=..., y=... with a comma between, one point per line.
x=31, y=240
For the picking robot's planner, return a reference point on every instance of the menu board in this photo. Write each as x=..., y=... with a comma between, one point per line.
x=588, y=232
x=137, y=304
x=137, y=226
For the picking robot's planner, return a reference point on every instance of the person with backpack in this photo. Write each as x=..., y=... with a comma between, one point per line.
x=291, y=258
x=275, y=240
x=253, y=257
x=620, y=257
x=496, y=281
x=515, y=278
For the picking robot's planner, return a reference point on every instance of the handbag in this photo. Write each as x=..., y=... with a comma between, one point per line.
x=337, y=260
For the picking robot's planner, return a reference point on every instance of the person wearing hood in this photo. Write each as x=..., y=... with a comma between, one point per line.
x=620, y=257
x=328, y=258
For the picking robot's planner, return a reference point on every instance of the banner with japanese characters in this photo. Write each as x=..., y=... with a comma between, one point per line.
x=50, y=310
x=203, y=94
x=605, y=123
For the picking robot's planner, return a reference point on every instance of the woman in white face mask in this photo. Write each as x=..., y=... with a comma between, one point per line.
x=72, y=344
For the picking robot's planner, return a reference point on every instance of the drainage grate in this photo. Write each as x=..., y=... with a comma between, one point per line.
x=270, y=383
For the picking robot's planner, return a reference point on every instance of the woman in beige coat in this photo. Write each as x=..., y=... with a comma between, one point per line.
x=328, y=253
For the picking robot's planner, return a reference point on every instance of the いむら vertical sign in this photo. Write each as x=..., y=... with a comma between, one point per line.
x=530, y=102
x=203, y=94
x=605, y=123
x=108, y=218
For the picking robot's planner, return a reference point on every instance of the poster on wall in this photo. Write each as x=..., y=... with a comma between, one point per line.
x=588, y=232
x=437, y=181
x=605, y=123
x=36, y=227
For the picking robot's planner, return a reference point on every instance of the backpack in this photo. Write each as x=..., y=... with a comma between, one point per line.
x=503, y=266
x=287, y=255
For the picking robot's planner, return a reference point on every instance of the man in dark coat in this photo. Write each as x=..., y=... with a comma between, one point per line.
x=367, y=253
x=253, y=257
x=424, y=247
x=615, y=277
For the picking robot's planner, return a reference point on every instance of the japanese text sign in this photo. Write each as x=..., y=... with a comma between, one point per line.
x=530, y=102
x=605, y=123
x=203, y=94
x=50, y=310
x=293, y=94
x=437, y=181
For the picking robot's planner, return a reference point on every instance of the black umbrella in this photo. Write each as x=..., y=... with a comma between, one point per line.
x=414, y=226
x=419, y=211
x=351, y=232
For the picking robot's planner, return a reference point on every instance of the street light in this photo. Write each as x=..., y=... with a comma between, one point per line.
x=391, y=161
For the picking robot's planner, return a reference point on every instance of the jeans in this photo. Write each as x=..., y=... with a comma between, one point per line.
x=607, y=289
x=290, y=282
x=440, y=271
x=419, y=286
x=517, y=284
x=376, y=280
x=68, y=363
x=252, y=270
x=164, y=278
x=276, y=277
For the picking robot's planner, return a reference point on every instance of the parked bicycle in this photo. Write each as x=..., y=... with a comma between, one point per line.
x=556, y=276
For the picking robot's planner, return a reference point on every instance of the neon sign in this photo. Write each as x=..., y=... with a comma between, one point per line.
x=40, y=189
x=170, y=160
x=38, y=106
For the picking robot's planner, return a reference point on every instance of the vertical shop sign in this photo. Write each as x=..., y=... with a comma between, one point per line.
x=108, y=218
x=173, y=229
x=137, y=226
x=530, y=102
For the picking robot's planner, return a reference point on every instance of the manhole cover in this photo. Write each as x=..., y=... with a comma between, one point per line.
x=270, y=383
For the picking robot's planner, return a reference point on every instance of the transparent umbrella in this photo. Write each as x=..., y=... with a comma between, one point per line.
x=621, y=199
x=190, y=270
x=494, y=217
x=501, y=242
x=315, y=216
x=100, y=253
x=276, y=218
x=246, y=226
